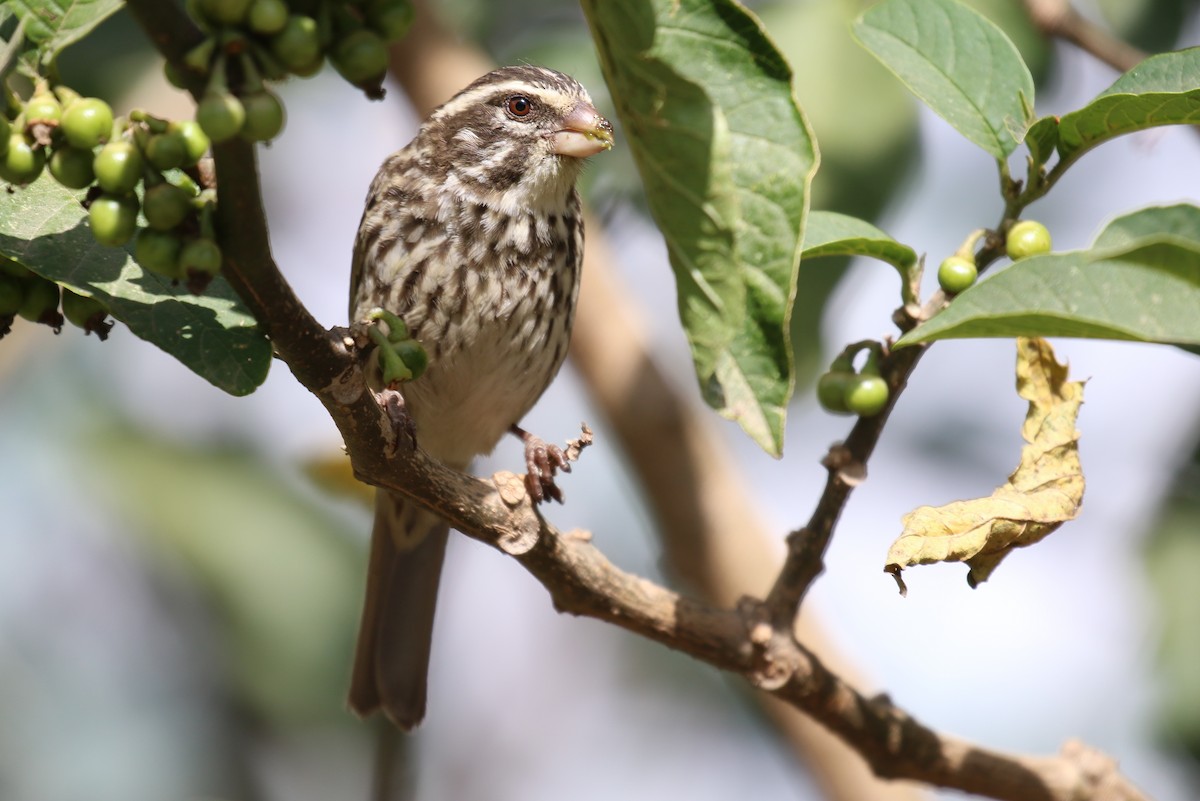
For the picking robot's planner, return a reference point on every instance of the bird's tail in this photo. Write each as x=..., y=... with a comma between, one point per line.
x=391, y=660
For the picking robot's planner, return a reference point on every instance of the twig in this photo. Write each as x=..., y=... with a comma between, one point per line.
x=1059, y=19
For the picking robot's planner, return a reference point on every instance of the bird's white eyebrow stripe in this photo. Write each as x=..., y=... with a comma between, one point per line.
x=472, y=97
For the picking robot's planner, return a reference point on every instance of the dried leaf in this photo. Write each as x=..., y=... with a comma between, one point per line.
x=1041, y=494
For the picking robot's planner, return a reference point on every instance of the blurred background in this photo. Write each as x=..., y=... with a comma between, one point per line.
x=179, y=595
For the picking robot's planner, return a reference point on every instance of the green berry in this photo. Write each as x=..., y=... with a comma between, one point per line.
x=391, y=19
x=12, y=295
x=43, y=108
x=174, y=75
x=264, y=116
x=22, y=162
x=225, y=12
x=221, y=116
x=118, y=167
x=1027, y=238
x=200, y=256
x=40, y=304
x=298, y=45
x=113, y=219
x=158, y=252
x=866, y=395
x=87, y=122
x=72, y=167
x=956, y=274
x=831, y=390
x=195, y=141
x=82, y=311
x=166, y=151
x=13, y=269
x=166, y=206
x=360, y=56
x=267, y=16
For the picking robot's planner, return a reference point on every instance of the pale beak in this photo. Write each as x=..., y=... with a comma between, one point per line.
x=584, y=133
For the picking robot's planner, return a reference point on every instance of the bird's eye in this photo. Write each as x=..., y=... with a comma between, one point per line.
x=520, y=106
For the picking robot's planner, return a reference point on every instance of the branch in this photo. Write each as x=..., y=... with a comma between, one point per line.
x=580, y=579
x=1059, y=19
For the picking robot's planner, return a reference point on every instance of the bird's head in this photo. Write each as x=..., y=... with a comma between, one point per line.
x=517, y=135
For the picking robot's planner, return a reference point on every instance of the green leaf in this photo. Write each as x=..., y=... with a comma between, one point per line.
x=1140, y=282
x=1162, y=90
x=831, y=234
x=958, y=62
x=52, y=25
x=726, y=158
x=44, y=227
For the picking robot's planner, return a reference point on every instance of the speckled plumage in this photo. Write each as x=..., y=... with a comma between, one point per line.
x=472, y=234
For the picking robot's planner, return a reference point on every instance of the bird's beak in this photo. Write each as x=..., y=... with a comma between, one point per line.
x=583, y=133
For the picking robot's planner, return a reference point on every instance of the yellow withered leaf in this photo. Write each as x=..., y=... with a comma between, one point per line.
x=1041, y=494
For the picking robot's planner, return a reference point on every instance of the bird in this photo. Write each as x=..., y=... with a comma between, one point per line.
x=472, y=235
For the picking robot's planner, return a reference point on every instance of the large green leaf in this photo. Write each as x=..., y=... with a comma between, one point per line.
x=726, y=158
x=52, y=25
x=958, y=62
x=44, y=227
x=1140, y=282
x=1162, y=90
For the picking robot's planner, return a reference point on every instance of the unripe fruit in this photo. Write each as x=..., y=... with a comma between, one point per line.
x=118, y=167
x=113, y=219
x=12, y=294
x=22, y=163
x=957, y=274
x=866, y=395
x=221, y=116
x=43, y=108
x=1027, y=238
x=166, y=151
x=166, y=206
x=298, y=45
x=267, y=16
x=40, y=304
x=264, y=116
x=87, y=122
x=200, y=256
x=158, y=252
x=831, y=390
x=360, y=56
x=195, y=141
x=72, y=167
x=391, y=19
x=225, y=12
x=82, y=311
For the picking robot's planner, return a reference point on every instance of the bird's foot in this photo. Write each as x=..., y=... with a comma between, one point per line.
x=542, y=461
x=397, y=413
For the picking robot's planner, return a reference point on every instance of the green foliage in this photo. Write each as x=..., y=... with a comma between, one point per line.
x=49, y=26
x=1140, y=281
x=958, y=62
x=726, y=158
x=43, y=228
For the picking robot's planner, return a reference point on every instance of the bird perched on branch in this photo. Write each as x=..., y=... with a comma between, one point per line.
x=472, y=237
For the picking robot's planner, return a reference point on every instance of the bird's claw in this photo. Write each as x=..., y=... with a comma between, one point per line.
x=397, y=414
x=542, y=461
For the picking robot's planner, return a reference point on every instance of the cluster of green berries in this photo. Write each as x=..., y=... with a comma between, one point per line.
x=37, y=299
x=1026, y=238
x=252, y=41
x=843, y=390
